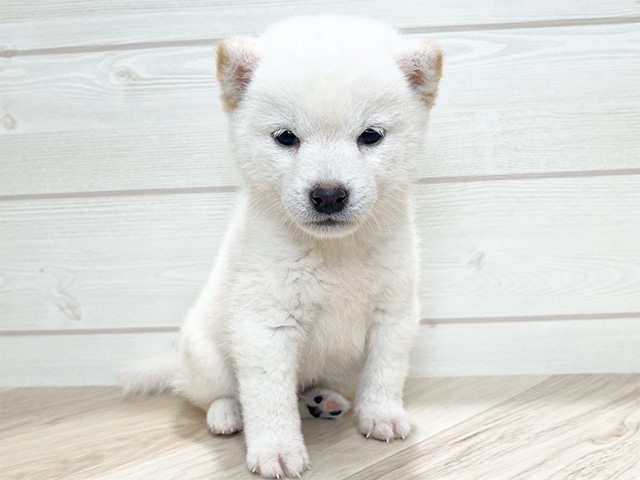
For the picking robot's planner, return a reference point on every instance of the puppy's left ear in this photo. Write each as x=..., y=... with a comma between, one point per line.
x=421, y=63
x=236, y=60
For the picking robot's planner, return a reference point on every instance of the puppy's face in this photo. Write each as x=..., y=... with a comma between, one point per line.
x=328, y=118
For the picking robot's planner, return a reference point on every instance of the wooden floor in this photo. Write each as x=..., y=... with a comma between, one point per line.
x=543, y=427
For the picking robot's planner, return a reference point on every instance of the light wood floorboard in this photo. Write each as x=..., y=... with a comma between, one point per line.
x=560, y=427
x=580, y=427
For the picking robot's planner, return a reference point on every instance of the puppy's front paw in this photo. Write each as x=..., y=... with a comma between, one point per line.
x=384, y=422
x=279, y=460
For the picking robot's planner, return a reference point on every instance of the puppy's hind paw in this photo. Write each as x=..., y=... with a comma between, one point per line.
x=323, y=403
x=224, y=417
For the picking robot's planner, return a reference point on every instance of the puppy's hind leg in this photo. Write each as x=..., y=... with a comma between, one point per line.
x=325, y=403
x=207, y=380
x=215, y=392
x=224, y=416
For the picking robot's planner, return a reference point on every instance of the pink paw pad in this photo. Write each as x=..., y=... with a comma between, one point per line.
x=323, y=403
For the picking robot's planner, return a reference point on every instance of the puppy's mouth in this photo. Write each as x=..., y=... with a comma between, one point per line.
x=329, y=227
x=329, y=222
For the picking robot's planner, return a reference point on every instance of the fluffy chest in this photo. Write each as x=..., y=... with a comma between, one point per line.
x=329, y=291
x=333, y=303
x=334, y=307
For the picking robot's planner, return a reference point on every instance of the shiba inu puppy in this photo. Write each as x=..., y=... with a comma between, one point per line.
x=314, y=290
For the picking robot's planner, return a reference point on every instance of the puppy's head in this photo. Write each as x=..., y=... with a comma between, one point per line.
x=328, y=117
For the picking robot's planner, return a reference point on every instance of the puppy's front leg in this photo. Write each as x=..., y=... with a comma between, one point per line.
x=379, y=393
x=267, y=377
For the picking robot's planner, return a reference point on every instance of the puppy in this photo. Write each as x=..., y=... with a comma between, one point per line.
x=314, y=290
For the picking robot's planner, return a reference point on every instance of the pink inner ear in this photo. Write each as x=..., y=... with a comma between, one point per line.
x=416, y=77
x=243, y=76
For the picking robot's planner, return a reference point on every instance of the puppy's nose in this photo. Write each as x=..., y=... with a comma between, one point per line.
x=329, y=199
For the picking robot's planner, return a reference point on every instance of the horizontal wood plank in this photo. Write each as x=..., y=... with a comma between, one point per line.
x=79, y=262
x=489, y=249
x=539, y=347
x=47, y=24
x=505, y=348
x=75, y=360
x=511, y=102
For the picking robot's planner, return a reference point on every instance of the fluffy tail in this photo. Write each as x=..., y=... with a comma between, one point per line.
x=150, y=376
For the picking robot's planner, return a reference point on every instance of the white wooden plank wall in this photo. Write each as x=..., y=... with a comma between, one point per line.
x=116, y=182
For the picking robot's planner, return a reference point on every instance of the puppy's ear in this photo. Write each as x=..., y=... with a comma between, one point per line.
x=236, y=60
x=421, y=63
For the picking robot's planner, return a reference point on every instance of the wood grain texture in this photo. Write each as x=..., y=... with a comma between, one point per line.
x=570, y=427
x=565, y=428
x=536, y=347
x=47, y=24
x=510, y=248
x=34, y=408
x=487, y=348
x=75, y=360
x=167, y=438
x=511, y=102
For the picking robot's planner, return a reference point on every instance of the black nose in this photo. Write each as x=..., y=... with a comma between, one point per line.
x=329, y=200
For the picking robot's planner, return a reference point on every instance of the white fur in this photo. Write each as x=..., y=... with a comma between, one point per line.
x=224, y=416
x=150, y=376
x=291, y=303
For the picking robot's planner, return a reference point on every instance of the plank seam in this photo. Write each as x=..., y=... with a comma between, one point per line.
x=551, y=23
x=530, y=176
x=424, y=321
x=88, y=331
x=121, y=193
x=530, y=318
x=234, y=188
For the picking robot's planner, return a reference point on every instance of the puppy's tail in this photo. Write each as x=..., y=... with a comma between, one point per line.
x=150, y=376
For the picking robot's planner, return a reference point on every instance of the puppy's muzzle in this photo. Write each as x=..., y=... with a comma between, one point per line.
x=329, y=199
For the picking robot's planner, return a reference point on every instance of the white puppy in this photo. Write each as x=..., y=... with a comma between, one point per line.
x=315, y=285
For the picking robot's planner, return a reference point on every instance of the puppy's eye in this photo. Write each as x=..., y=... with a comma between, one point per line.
x=285, y=137
x=370, y=136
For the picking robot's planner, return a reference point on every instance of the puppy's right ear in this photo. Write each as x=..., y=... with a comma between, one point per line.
x=421, y=62
x=237, y=59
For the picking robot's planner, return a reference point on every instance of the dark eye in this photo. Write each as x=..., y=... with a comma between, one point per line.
x=286, y=138
x=370, y=136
